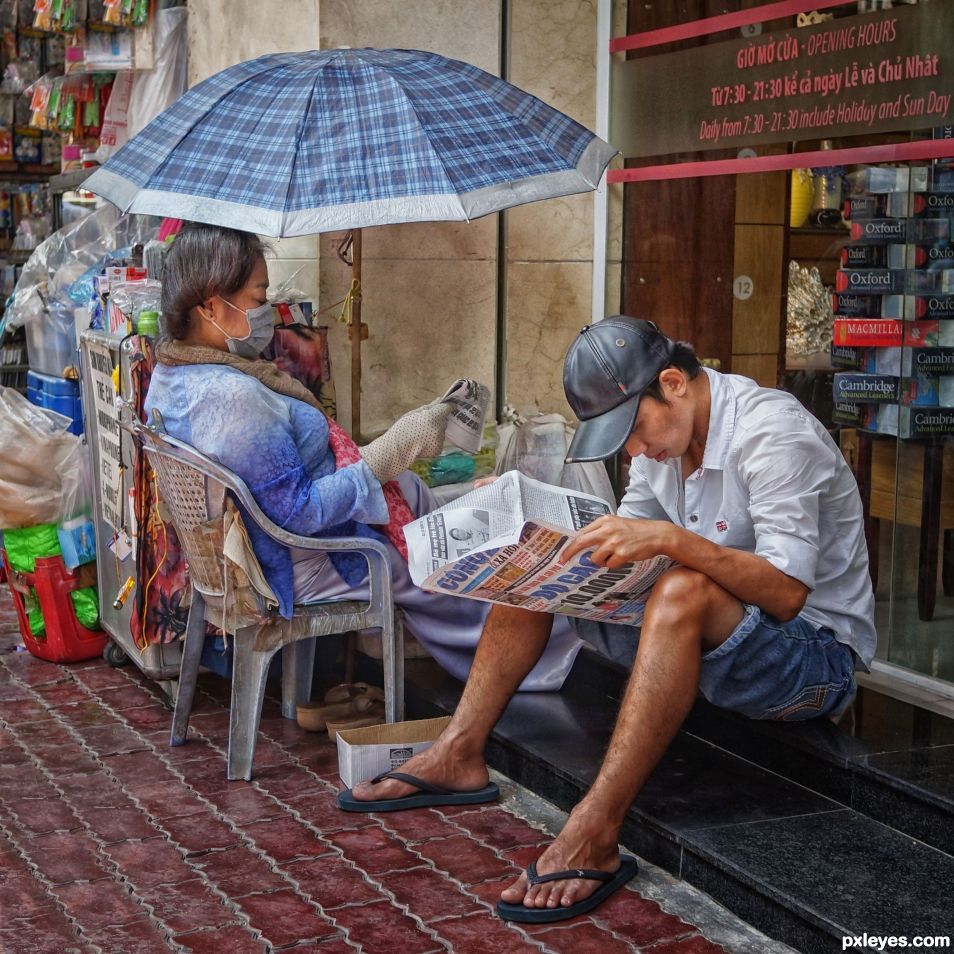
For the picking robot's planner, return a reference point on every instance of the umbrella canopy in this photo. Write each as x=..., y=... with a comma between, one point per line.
x=297, y=143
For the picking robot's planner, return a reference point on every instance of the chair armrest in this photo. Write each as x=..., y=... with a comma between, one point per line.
x=163, y=444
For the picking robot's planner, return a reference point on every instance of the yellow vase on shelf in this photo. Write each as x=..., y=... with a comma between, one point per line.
x=802, y=194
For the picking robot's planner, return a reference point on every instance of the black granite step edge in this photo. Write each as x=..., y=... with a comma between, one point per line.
x=682, y=853
x=816, y=754
x=800, y=929
x=834, y=764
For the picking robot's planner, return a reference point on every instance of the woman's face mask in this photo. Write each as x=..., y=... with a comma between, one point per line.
x=261, y=330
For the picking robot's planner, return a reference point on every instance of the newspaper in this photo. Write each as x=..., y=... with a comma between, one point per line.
x=502, y=544
x=465, y=426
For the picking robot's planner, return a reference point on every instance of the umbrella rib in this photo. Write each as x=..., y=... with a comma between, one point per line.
x=426, y=138
x=295, y=153
x=529, y=133
x=228, y=92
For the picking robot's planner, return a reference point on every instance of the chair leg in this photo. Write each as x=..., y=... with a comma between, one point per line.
x=399, y=663
x=249, y=669
x=298, y=664
x=392, y=652
x=188, y=669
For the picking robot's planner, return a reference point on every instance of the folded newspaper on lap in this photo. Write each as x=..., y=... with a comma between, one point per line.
x=469, y=401
x=502, y=544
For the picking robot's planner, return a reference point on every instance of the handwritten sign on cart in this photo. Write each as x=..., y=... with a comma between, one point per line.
x=108, y=447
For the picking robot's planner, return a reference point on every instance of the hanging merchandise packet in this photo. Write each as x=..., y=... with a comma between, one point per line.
x=465, y=425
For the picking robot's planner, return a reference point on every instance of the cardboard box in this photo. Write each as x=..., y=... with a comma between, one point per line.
x=364, y=753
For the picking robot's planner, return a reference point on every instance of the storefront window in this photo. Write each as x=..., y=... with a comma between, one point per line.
x=828, y=269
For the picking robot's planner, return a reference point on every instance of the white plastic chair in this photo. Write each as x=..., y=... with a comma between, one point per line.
x=194, y=488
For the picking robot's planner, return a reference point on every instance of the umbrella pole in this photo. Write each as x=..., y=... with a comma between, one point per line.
x=357, y=332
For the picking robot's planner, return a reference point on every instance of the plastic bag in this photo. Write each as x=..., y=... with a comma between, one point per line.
x=62, y=260
x=158, y=88
x=536, y=445
x=23, y=548
x=454, y=466
x=44, y=470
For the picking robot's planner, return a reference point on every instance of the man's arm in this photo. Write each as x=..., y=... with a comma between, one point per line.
x=749, y=578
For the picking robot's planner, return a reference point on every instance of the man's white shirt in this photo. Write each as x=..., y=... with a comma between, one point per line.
x=773, y=483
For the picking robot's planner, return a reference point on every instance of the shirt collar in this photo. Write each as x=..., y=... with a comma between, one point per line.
x=721, y=421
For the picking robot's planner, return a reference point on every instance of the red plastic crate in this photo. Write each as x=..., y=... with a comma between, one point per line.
x=65, y=639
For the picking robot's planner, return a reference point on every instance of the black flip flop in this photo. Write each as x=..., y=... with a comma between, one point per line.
x=611, y=882
x=430, y=795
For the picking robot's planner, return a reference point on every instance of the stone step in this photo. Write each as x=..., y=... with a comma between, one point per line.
x=789, y=856
x=889, y=760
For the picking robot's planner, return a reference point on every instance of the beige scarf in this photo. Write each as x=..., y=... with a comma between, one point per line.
x=178, y=352
x=345, y=450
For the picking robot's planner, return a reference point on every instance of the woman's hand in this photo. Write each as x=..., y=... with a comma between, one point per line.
x=484, y=481
x=419, y=433
x=616, y=541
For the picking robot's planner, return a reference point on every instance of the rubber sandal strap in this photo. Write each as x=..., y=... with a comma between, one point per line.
x=412, y=780
x=587, y=874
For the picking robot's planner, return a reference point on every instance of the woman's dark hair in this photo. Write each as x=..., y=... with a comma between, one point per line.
x=204, y=261
x=684, y=358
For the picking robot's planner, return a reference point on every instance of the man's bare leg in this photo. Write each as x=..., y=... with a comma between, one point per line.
x=512, y=641
x=686, y=616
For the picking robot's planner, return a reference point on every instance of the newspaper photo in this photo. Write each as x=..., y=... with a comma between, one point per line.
x=502, y=544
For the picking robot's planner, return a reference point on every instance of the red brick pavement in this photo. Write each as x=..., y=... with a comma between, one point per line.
x=113, y=842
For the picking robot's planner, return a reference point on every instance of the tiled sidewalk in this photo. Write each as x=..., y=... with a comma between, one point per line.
x=112, y=841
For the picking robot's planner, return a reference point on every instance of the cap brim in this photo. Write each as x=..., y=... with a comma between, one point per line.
x=603, y=436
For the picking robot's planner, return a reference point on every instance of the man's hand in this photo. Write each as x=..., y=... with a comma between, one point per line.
x=750, y=578
x=616, y=541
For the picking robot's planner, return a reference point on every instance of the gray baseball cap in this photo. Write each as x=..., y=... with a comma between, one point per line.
x=605, y=373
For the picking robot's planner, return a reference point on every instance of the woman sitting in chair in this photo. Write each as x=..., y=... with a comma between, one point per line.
x=214, y=393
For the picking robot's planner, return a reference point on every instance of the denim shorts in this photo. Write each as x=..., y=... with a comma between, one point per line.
x=766, y=669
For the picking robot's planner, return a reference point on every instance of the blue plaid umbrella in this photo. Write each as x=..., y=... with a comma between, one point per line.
x=298, y=143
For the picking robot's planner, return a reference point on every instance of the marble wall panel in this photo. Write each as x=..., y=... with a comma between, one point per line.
x=548, y=303
x=462, y=29
x=553, y=53
x=428, y=240
x=552, y=230
x=301, y=246
x=553, y=56
x=223, y=34
x=430, y=322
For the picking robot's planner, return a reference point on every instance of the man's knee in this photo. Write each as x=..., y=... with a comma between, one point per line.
x=688, y=603
x=684, y=591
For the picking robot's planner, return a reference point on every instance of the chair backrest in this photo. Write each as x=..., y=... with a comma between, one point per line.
x=194, y=489
x=196, y=503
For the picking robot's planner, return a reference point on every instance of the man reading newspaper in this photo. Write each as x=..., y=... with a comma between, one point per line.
x=505, y=543
x=767, y=612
